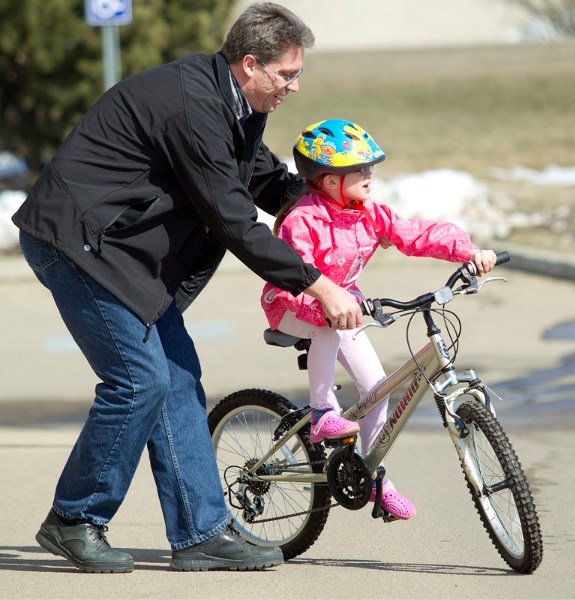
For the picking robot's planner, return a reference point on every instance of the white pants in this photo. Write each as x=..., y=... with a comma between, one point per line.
x=357, y=356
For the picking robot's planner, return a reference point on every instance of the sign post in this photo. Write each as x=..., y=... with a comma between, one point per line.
x=108, y=14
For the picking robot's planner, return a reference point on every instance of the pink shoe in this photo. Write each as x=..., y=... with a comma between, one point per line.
x=332, y=426
x=394, y=503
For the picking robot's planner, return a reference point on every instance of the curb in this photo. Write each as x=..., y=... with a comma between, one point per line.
x=541, y=262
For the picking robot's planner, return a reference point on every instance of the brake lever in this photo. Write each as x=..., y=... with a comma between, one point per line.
x=385, y=320
x=474, y=287
x=380, y=319
x=490, y=279
x=363, y=327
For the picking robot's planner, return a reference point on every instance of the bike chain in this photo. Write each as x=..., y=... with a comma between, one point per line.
x=303, y=512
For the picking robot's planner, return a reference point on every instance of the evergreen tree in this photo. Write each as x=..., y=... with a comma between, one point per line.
x=51, y=60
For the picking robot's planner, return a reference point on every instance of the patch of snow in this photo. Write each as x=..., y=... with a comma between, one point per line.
x=451, y=195
x=439, y=194
x=552, y=175
x=10, y=202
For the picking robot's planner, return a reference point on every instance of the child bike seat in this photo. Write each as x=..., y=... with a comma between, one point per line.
x=277, y=338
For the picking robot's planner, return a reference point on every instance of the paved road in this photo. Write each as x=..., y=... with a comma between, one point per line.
x=519, y=337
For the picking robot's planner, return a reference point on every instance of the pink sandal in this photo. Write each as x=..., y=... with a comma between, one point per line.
x=394, y=503
x=332, y=426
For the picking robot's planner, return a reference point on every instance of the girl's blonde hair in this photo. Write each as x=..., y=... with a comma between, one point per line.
x=310, y=184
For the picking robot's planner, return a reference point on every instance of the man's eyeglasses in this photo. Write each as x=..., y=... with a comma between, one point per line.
x=286, y=78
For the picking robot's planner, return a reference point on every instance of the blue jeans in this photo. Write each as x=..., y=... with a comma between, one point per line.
x=150, y=394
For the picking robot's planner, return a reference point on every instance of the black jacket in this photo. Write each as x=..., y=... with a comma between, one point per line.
x=156, y=181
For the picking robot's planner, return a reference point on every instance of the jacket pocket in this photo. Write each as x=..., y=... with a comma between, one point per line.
x=130, y=215
x=123, y=222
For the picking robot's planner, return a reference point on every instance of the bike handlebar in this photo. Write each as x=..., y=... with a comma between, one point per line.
x=466, y=273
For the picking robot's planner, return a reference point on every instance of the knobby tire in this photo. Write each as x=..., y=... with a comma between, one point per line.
x=506, y=506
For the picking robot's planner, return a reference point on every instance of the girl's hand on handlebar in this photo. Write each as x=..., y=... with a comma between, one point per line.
x=484, y=260
x=341, y=308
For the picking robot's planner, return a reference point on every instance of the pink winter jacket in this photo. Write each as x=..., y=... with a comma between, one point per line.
x=340, y=242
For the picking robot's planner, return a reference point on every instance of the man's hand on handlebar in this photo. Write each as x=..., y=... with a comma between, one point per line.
x=484, y=260
x=341, y=309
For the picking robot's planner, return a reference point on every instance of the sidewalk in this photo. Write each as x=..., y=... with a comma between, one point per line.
x=227, y=322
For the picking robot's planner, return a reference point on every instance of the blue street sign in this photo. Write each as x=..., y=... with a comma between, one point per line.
x=108, y=12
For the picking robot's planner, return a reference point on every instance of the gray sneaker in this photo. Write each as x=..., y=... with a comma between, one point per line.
x=227, y=551
x=84, y=545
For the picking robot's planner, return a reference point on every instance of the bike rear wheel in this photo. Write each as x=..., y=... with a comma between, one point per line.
x=505, y=505
x=268, y=513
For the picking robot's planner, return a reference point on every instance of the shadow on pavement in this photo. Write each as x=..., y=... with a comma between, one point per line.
x=33, y=559
x=36, y=559
x=439, y=569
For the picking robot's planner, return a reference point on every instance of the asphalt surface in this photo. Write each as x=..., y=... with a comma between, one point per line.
x=519, y=336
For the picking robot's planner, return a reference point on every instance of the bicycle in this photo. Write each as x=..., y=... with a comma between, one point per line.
x=279, y=484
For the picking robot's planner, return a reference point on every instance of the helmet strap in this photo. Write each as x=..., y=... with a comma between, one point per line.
x=355, y=205
x=345, y=203
x=342, y=202
x=341, y=191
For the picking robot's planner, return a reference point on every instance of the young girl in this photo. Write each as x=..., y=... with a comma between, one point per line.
x=336, y=226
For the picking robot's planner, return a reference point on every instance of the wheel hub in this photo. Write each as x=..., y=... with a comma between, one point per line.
x=256, y=487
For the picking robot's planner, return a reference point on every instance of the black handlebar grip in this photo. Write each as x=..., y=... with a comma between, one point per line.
x=502, y=257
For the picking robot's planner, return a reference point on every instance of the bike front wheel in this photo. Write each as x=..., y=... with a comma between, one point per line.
x=287, y=514
x=505, y=504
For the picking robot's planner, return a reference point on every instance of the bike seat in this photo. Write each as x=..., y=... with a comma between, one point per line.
x=277, y=338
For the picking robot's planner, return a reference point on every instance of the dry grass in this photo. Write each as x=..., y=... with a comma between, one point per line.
x=464, y=108
x=469, y=108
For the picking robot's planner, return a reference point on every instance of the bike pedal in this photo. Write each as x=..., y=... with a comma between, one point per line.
x=346, y=441
x=387, y=518
x=380, y=513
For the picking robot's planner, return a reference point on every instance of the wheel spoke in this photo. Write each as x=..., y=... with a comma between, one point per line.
x=285, y=513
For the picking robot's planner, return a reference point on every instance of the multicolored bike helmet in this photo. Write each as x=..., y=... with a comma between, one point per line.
x=334, y=146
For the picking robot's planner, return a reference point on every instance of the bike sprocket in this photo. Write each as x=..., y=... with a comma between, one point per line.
x=348, y=479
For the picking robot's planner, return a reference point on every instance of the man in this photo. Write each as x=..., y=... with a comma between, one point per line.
x=125, y=226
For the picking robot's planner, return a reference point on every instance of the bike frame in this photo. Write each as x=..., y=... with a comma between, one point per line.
x=430, y=368
x=246, y=423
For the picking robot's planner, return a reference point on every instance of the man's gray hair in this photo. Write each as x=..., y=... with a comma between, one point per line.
x=266, y=30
